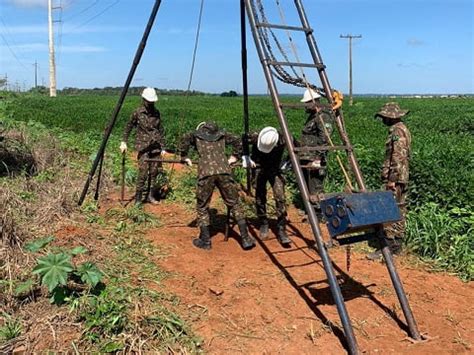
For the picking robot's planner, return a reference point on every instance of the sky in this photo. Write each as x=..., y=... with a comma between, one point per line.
x=407, y=46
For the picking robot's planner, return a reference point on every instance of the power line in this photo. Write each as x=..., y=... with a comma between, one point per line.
x=12, y=51
x=13, y=41
x=97, y=15
x=60, y=31
x=83, y=11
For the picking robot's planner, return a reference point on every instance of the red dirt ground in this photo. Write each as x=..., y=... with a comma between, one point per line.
x=276, y=300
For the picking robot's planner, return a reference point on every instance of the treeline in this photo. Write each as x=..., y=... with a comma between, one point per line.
x=109, y=90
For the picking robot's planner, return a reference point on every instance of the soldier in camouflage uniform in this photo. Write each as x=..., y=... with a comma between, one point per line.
x=395, y=170
x=268, y=147
x=214, y=171
x=149, y=144
x=317, y=129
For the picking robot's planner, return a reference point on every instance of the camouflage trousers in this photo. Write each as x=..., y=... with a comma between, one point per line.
x=148, y=171
x=315, y=179
x=277, y=182
x=229, y=193
x=397, y=229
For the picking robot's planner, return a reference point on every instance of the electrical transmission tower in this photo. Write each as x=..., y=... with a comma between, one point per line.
x=350, y=37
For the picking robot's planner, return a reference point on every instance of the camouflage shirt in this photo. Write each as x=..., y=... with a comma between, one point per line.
x=212, y=157
x=269, y=162
x=150, y=131
x=313, y=132
x=397, y=154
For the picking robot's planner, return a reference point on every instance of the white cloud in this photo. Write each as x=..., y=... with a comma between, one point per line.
x=415, y=42
x=43, y=28
x=414, y=65
x=83, y=49
x=29, y=29
x=30, y=3
x=43, y=47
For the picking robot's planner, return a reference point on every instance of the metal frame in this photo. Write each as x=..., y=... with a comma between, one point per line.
x=313, y=220
x=246, y=8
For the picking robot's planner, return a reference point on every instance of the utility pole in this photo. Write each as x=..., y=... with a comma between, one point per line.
x=36, y=74
x=52, y=64
x=350, y=37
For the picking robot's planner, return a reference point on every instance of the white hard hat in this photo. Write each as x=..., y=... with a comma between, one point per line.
x=149, y=94
x=267, y=139
x=310, y=95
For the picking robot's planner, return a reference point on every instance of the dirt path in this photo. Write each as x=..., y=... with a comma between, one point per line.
x=275, y=300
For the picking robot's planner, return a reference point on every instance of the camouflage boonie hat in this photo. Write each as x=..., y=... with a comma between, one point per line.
x=391, y=110
x=209, y=131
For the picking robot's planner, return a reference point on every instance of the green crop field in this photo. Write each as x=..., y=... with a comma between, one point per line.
x=441, y=207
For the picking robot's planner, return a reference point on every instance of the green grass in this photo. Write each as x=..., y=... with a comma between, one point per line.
x=441, y=168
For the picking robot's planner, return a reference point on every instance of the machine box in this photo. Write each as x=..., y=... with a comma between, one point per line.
x=346, y=213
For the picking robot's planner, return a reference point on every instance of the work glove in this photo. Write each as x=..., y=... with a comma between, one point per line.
x=316, y=164
x=188, y=162
x=232, y=160
x=247, y=162
x=286, y=165
x=123, y=147
x=337, y=98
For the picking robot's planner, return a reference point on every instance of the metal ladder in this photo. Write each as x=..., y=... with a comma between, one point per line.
x=267, y=64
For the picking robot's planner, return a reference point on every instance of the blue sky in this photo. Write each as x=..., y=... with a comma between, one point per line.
x=408, y=46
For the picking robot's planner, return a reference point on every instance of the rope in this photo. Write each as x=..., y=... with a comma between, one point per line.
x=191, y=74
x=196, y=42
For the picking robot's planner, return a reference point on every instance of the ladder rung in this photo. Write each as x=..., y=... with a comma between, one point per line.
x=322, y=148
x=295, y=64
x=284, y=27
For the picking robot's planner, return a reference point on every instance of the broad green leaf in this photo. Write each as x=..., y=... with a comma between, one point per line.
x=38, y=244
x=58, y=295
x=53, y=269
x=89, y=273
x=24, y=287
x=111, y=347
x=79, y=250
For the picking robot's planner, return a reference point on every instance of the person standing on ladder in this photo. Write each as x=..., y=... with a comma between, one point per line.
x=268, y=147
x=316, y=132
x=149, y=145
x=214, y=171
x=395, y=171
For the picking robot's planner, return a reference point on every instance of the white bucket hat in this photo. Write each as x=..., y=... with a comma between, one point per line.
x=267, y=139
x=149, y=94
x=310, y=95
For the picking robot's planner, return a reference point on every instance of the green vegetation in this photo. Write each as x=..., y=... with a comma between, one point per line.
x=441, y=183
x=98, y=285
x=11, y=329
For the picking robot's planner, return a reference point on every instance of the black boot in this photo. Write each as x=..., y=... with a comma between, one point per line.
x=281, y=232
x=204, y=240
x=395, y=245
x=375, y=256
x=263, y=232
x=248, y=242
x=138, y=198
x=151, y=198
